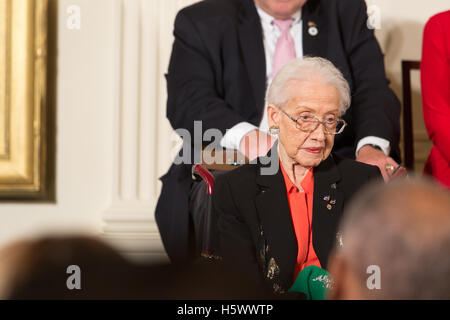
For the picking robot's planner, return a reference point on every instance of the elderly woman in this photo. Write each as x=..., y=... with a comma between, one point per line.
x=273, y=226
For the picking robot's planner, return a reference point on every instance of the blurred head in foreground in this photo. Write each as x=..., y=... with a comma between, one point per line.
x=50, y=267
x=395, y=243
x=47, y=268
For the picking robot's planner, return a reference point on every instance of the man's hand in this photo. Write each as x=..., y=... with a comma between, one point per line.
x=255, y=144
x=370, y=155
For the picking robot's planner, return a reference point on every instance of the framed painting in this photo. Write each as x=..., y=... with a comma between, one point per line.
x=23, y=99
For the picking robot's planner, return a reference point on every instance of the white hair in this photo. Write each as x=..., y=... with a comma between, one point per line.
x=305, y=69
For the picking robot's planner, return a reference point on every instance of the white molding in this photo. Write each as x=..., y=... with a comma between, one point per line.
x=128, y=221
x=142, y=48
x=131, y=228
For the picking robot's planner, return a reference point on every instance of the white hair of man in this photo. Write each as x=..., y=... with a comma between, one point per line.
x=404, y=229
x=307, y=69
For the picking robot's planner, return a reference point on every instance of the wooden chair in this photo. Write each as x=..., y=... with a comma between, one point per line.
x=408, y=138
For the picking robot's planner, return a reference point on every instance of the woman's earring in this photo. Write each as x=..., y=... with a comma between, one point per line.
x=274, y=130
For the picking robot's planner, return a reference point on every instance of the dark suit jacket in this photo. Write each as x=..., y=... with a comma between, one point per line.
x=217, y=75
x=255, y=225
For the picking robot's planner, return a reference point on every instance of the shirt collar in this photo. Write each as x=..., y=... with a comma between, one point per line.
x=267, y=19
x=307, y=182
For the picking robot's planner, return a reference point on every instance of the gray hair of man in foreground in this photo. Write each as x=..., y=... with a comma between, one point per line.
x=404, y=229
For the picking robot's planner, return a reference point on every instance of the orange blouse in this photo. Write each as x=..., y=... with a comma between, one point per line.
x=301, y=206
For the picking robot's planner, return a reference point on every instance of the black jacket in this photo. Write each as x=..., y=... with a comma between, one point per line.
x=217, y=75
x=255, y=226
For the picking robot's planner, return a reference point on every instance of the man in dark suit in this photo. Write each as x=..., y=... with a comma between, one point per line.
x=221, y=65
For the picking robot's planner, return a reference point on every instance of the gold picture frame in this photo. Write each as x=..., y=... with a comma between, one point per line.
x=23, y=99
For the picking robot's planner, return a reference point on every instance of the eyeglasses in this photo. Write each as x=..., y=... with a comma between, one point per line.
x=309, y=123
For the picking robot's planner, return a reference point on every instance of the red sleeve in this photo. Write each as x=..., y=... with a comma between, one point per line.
x=435, y=80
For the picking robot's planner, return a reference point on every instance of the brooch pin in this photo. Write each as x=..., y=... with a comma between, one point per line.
x=330, y=202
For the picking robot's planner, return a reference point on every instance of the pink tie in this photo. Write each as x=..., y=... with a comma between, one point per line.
x=285, y=49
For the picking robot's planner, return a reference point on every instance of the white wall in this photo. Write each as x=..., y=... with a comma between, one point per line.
x=112, y=135
x=84, y=126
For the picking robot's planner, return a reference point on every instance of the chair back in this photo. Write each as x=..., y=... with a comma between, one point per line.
x=408, y=138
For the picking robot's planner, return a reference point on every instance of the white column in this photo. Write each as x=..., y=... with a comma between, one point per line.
x=129, y=219
x=142, y=134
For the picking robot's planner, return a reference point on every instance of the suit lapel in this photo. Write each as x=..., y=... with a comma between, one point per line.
x=327, y=208
x=276, y=224
x=314, y=45
x=252, y=50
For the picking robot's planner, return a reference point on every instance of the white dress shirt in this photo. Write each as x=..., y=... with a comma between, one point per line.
x=271, y=33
